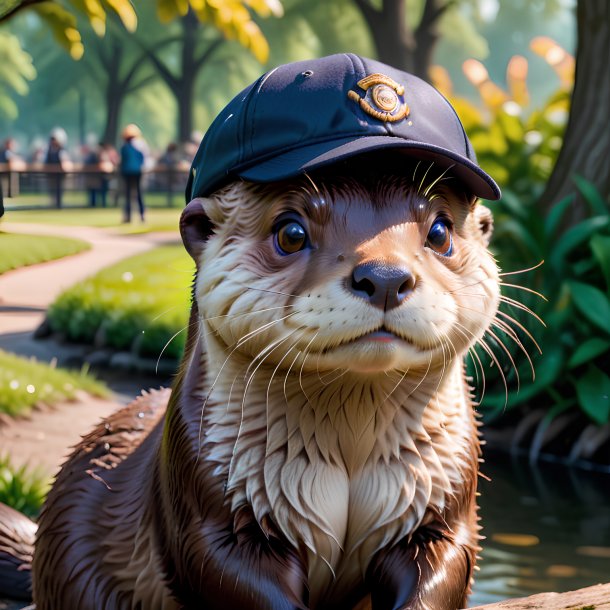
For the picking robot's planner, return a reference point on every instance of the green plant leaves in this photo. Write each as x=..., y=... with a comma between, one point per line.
x=592, y=303
x=600, y=246
x=574, y=237
x=593, y=390
x=588, y=350
x=591, y=195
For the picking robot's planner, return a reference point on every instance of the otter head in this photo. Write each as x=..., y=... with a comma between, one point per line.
x=357, y=268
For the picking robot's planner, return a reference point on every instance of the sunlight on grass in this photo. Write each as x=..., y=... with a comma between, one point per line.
x=25, y=383
x=23, y=488
x=18, y=250
x=157, y=219
x=138, y=304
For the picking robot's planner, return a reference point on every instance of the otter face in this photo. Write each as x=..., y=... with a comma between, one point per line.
x=367, y=275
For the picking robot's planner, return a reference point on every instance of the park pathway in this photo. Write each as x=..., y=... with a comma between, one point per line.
x=45, y=438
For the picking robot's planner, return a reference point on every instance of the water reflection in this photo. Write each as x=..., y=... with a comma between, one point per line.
x=547, y=529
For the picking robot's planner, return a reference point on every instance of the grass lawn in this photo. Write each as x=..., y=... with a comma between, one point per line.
x=18, y=250
x=24, y=489
x=143, y=299
x=25, y=383
x=157, y=219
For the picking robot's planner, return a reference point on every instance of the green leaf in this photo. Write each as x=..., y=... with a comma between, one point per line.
x=592, y=303
x=574, y=237
x=590, y=349
x=591, y=195
x=600, y=245
x=548, y=367
x=593, y=390
x=556, y=214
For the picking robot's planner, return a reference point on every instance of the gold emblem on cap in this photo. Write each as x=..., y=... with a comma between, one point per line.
x=385, y=94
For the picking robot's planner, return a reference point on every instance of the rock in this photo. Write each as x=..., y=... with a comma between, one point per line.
x=591, y=598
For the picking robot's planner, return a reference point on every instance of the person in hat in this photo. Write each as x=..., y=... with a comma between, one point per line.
x=132, y=161
x=57, y=162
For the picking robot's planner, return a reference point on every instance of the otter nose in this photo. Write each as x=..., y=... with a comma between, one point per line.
x=384, y=286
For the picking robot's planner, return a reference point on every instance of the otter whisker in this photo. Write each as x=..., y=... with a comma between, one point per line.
x=437, y=180
x=286, y=294
x=521, y=327
x=522, y=307
x=525, y=289
x=262, y=328
x=513, y=336
x=508, y=330
x=421, y=184
x=195, y=323
x=493, y=357
x=402, y=378
x=247, y=385
x=236, y=346
x=275, y=370
x=288, y=373
x=477, y=283
x=305, y=354
x=522, y=270
x=245, y=313
x=472, y=352
x=507, y=352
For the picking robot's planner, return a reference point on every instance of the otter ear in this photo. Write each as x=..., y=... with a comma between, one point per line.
x=195, y=227
x=485, y=222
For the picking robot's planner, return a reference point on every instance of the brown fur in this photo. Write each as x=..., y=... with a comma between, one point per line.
x=298, y=465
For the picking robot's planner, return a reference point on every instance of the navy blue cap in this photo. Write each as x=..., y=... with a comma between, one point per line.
x=310, y=114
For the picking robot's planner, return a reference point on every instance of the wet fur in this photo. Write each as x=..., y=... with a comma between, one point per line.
x=295, y=467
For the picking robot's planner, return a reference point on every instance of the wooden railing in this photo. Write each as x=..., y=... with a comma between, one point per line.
x=55, y=182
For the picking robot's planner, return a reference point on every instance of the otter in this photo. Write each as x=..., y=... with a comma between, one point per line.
x=319, y=448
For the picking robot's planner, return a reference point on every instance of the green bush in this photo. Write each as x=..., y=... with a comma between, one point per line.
x=139, y=303
x=24, y=489
x=572, y=372
x=25, y=383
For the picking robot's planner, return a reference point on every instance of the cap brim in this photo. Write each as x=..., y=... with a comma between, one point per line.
x=298, y=160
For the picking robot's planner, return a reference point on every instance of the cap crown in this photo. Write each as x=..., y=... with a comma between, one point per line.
x=307, y=114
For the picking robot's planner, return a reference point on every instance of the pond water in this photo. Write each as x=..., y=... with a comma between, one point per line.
x=547, y=528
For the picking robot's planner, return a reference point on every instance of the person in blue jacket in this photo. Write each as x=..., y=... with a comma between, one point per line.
x=132, y=161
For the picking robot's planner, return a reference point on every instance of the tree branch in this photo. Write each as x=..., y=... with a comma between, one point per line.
x=432, y=13
x=208, y=53
x=367, y=10
x=140, y=84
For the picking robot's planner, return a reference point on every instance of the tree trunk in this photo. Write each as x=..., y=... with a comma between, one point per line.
x=114, y=101
x=189, y=69
x=396, y=43
x=586, y=144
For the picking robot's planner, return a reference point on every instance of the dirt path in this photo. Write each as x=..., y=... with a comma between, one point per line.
x=44, y=440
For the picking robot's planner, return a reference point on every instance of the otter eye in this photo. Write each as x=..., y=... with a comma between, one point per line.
x=439, y=238
x=290, y=238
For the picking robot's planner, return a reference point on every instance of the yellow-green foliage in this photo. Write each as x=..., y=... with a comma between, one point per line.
x=18, y=250
x=25, y=383
x=145, y=297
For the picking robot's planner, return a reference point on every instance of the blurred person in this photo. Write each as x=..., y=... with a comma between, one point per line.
x=57, y=162
x=132, y=161
x=109, y=161
x=10, y=161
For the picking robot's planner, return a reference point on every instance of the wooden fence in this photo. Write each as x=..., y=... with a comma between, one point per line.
x=105, y=188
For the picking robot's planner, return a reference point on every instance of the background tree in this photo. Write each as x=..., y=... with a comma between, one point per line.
x=586, y=144
x=397, y=42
